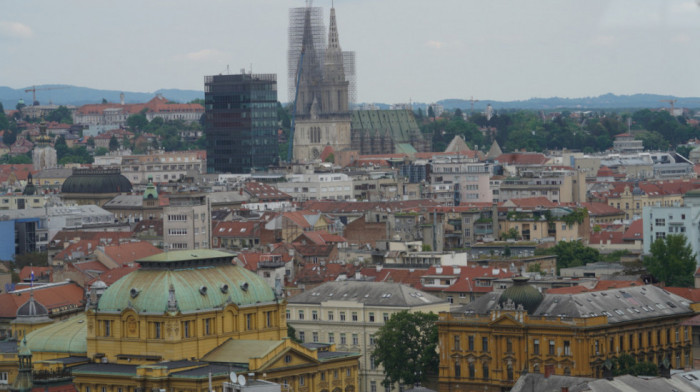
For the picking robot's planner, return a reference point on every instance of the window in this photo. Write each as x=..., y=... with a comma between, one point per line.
x=249, y=321
x=268, y=316
x=354, y=316
x=630, y=342
x=458, y=370
x=372, y=365
x=471, y=343
x=3, y=378
x=386, y=317
x=301, y=380
x=314, y=315
x=331, y=337
x=372, y=386
x=343, y=339
x=660, y=222
x=472, y=370
x=342, y=316
x=551, y=347
x=596, y=347
x=301, y=315
x=509, y=372
x=536, y=347
x=314, y=337
x=347, y=372
x=355, y=340
x=509, y=345
x=485, y=344
x=207, y=326
x=567, y=347
x=186, y=329
x=107, y=327
x=485, y=369
x=330, y=316
x=288, y=314
x=302, y=336
x=371, y=317
x=371, y=340
x=456, y=343
x=157, y=330
x=323, y=376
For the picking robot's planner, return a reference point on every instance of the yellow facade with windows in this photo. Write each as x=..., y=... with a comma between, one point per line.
x=488, y=350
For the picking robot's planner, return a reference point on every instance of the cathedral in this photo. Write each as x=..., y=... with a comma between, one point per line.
x=323, y=116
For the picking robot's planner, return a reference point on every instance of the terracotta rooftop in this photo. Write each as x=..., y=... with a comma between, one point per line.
x=53, y=297
x=128, y=252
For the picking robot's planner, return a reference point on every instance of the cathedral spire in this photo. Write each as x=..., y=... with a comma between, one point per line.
x=333, y=42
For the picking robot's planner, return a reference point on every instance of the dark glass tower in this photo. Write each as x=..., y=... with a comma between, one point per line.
x=241, y=122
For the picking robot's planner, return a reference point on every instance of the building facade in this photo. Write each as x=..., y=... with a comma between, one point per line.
x=349, y=313
x=487, y=344
x=322, y=104
x=241, y=122
x=187, y=222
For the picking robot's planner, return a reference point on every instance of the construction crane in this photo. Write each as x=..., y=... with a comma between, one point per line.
x=671, y=102
x=34, y=89
x=294, y=107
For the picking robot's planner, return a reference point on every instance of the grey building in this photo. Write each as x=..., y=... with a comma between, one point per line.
x=241, y=122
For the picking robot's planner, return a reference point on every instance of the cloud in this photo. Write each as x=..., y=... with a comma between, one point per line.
x=680, y=38
x=15, y=29
x=204, y=55
x=435, y=44
x=603, y=40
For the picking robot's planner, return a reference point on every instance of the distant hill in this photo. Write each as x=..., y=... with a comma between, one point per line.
x=607, y=101
x=74, y=95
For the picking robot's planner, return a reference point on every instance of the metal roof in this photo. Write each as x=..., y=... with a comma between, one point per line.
x=66, y=336
x=368, y=293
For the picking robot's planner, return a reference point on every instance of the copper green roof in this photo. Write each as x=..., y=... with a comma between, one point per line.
x=240, y=351
x=523, y=294
x=96, y=180
x=185, y=255
x=66, y=336
x=199, y=287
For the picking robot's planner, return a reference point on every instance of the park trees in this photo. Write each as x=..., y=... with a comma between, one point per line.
x=672, y=261
x=406, y=347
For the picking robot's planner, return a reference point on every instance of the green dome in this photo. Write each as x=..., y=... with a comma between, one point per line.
x=188, y=281
x=522, y=293
x=96, y=181
x=66, y=336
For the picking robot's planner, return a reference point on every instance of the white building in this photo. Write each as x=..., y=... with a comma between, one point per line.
x=187, y=222
x=660, y=221
x=317, y=186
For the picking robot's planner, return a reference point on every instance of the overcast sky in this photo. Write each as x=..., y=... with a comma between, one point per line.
x=406, y=49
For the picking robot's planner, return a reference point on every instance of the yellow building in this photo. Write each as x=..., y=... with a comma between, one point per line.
x=561, y=224
x=181, y=317
x=487, y=344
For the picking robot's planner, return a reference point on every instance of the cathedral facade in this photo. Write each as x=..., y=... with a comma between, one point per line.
x=322, y=111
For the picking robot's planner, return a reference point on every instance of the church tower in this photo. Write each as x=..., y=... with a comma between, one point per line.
x=323, y=116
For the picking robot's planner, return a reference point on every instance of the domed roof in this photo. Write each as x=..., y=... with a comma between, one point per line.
x=66, y=336
x=523, y=294
x=32, y=308
x=96, y=180
x=187, y=281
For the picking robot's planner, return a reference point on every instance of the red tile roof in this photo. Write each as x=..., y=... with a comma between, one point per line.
x=102, y=237
x=265, y=192
x=635, y=231
x=20, y=171
x=77, y=250
x=321, y=237
x=53, y=297
x=600, y=286
x=237, y=229
x=338, y=207
x=128, y=252
x=602, y=238
x=113, y=275
x=526, y=158
x=601, y=209
x=26, y=272
x=689, y=293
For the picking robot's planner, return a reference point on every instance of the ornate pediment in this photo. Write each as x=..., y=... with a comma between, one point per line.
x=507, y=321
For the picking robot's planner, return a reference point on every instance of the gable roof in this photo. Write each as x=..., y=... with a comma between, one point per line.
x=53, y=296
x=368, y=293
x=237, y=229
x=128, y=252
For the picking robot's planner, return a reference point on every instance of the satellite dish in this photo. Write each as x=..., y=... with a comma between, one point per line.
x=232, y=376
x=241, y=380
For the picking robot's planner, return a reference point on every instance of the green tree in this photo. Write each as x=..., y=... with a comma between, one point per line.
x=137, y=121
x=684, y=151
x=406, y=347
x=292, y=334
x=672, y=261
x=113, y=143
x=431, y=112
x=572, y=254
x=62, y=114
x=626, y=364
x=35, y=259
x=61, y=147
x=4, y=121
x=534, y=268
x=100, y=151
x=90, y=142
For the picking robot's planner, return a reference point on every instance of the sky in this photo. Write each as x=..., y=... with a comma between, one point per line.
x=406, y=50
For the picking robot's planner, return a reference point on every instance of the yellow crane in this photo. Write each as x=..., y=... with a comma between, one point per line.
x=34, y=89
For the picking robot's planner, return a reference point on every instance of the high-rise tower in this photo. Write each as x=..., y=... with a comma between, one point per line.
x=323, y=116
